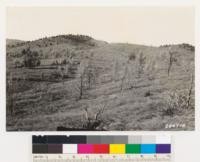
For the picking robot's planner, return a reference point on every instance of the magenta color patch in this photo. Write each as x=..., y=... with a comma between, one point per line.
x=85, y=148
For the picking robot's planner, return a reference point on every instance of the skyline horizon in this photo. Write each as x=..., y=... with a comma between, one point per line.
x=125, y=42
x=136, y=25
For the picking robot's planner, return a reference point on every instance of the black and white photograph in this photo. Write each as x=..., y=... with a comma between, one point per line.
x=100, y=68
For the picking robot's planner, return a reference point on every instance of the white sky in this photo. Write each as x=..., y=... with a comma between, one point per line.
x=139, y=25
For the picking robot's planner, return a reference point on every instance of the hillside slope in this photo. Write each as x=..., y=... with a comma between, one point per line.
x=139, y=87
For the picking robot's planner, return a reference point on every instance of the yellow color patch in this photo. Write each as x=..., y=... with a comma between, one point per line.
x=117, y=148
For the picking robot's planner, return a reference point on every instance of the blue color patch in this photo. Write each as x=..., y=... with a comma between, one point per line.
x=148, y=148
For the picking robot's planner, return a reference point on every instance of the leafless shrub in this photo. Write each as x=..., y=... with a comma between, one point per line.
x=18, y=64
x=115, y=70
x=147, y=94
x=9, y=97
x=128, y=79
x=124, y=77
x=151, y=69
x=132, y=57
x=80, y=81
x=190, y=91
x=64, y=62
x=92, y=122
x=173, y=103
x=178, y=101
x=86, y=75
x=141, y=64
x=91, y=74
x=172, y=59
x=56, y=75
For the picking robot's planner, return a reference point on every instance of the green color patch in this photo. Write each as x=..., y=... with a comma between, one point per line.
x=133, y=149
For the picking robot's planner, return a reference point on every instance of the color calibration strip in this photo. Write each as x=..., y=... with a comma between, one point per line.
x=101, y=145
x=102, y=149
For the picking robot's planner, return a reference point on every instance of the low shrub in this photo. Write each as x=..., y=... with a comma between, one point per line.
x=132, y=57
x=176, y=102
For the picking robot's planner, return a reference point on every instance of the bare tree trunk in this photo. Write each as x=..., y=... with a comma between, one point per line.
x=170, y=65
x=122, y=83
x=89, y=80
x=142, y=61
x=170, y=62
x=124, y=77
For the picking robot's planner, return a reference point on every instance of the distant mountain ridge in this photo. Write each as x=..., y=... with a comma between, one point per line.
x=13, y=42
x=70, y=38
x=59, y=39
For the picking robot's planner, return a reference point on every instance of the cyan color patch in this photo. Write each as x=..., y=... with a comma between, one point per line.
x=148, y=149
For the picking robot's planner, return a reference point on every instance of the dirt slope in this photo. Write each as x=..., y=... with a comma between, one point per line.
x=138, y=85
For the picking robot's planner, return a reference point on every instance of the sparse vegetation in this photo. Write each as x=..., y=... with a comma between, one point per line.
x=178, y=101
x=92, y=123
x=190, y=92
x=81, y=78
x=18, y=64
x=31, y=58
x=172, y=60
x=68, y=78
x=187, y=46
x=141, y=64
x=9, y=99
x=147, y=94
x=116, y=69
x=78, y=38
x=91, y=74
x=132, y=56
x=125, y=73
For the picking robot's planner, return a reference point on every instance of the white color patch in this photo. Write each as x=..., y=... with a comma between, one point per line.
x=70, y=149
x=163, y=139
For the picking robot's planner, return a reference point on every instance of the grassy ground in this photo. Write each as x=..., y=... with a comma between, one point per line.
x=134, y=100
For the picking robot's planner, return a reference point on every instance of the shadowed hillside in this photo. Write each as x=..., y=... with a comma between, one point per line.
x=74, y=82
